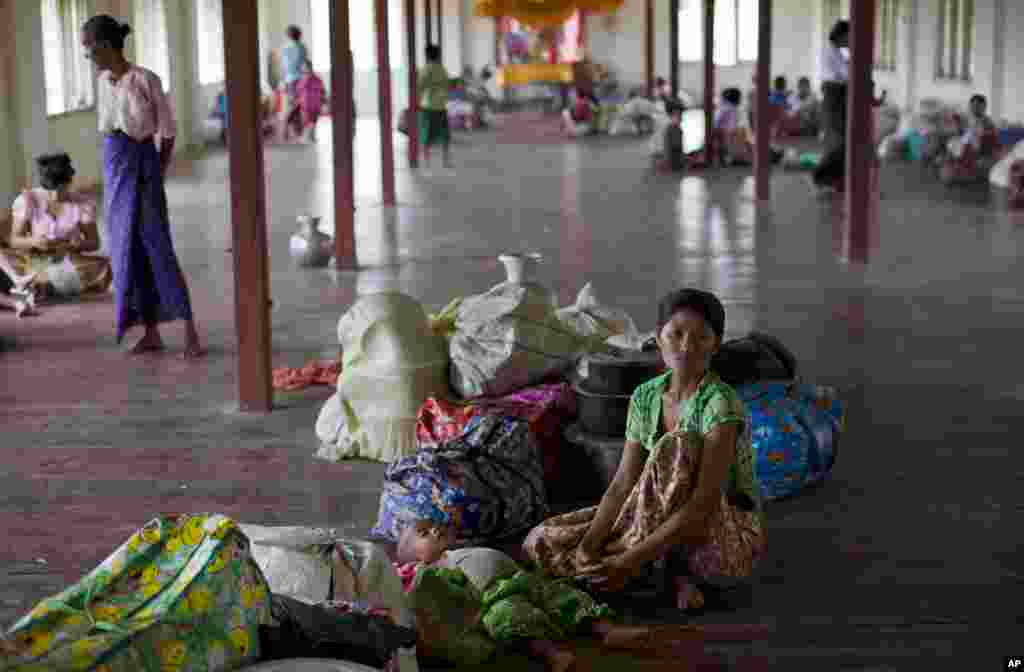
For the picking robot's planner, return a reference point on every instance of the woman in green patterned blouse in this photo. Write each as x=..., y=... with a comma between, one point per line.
x=685, y=491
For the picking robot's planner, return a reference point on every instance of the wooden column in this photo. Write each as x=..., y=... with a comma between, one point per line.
x=860, y=146
x=709, y=75
x=440, y=26
x=414, y=97
x=649, y=46
x=762, y=145
x=497, y=42
x=428, y=22
x=387, y=142
x=342, y=134
x=248, y=206
x=673, y=48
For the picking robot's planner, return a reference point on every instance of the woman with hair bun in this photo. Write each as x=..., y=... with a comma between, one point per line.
x=138, y=126
x=53, y=229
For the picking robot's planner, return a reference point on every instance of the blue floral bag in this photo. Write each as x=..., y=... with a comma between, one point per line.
x=795, y=430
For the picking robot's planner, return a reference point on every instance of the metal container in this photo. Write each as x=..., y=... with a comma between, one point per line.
x=309, y=247
x=601, y=456
x=620, y=373
x=602, y=414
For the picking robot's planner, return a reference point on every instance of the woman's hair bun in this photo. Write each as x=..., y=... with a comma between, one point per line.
x=125, y=30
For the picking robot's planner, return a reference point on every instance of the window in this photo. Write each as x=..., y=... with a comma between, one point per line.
x=887, y=22
x=210, y=33
x=362, y=35
x=953, y=58
x=835, y=10
x=69, y=78
x=736, y=28
x=152, y=50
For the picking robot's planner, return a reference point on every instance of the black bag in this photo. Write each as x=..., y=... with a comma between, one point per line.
x=314, y=631
x=754, y=358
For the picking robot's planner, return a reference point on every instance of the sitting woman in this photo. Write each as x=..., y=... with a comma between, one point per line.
x=685, y=493
x=971, y=156
x=732, y=145
x=803, y=119
x=579, y=121
x=52, y=230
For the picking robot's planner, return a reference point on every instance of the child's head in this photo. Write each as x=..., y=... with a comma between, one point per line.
x=979, y=105
x=780, y=84
x=675, y=111
x=433, y=53
x=733, y=96
x=803, y=85
x=432, y=540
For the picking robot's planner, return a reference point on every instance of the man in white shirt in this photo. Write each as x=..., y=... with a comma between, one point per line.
x=834, y=72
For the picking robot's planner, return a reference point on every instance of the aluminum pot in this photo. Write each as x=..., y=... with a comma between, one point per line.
x=602, y=414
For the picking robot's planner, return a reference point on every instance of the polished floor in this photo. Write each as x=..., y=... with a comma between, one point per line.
x=909, y=558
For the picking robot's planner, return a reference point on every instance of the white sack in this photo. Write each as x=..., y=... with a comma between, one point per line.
x=1000, y=174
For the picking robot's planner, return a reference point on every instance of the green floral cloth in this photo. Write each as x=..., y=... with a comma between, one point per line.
x=714, y=403
x=183, y=593
x=531, y=606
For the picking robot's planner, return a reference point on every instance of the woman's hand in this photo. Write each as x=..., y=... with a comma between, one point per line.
x=614, y=573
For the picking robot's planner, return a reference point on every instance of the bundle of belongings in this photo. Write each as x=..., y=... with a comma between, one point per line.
x=187, y=593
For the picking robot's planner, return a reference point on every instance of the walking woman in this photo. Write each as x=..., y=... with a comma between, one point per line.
x=835, y=75
x=138, y=131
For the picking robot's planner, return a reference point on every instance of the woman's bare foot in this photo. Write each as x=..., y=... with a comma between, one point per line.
x=688, y=596
x=22, y=282
x=193, y=350
x=150, y=342
x=560, y=661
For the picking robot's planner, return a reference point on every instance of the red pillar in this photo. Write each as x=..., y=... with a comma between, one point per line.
x=414, y=97
x=673, y=46
x=428, y=22
x=497, y=42
x=248, y=206
x=860, y=146
x=709, y=75
x=649, y=47
x=762, y=147
x=387, y=145
x=342, y=140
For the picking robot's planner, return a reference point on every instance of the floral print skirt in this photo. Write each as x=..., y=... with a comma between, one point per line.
x=735, y=538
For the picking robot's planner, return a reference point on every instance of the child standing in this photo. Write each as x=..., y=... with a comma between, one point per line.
x=733, y=143
x=675, y=156
x=432, y=85
x=311, y=93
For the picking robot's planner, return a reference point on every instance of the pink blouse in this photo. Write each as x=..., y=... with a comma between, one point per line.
x=136, y=104
x=31, y=206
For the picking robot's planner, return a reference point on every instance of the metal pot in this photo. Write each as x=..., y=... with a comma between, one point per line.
x=309, y=247
x=620, y=373
x=600, y=456
x=602, y=414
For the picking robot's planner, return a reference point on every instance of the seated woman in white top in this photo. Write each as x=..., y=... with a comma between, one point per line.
x=53, y=231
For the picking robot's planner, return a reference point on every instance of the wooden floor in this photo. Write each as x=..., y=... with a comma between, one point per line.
x=908, y=559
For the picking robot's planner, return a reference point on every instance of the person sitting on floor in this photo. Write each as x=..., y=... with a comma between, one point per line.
x=516, y=607
x=971, y=156
x=685, y=499
x=779, y=94
x=804, y=111
x=217, y=121
x=636, y=116
x=579, y=120
x=731, y=138
x=53, y=229
x=311, y=95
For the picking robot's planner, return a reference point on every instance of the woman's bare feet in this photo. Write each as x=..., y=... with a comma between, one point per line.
x=22, y=282
x=193, y=350
x=560, y=660
x=150, y=342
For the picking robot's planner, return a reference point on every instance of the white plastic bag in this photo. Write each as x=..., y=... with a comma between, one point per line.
x=593, y=321
x=292, y=561
x=999, y=176
x=392, y=362
x=507, y=339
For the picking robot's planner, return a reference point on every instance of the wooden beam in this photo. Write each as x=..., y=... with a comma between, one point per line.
x=762, y=146
x=673, y=47
x=497, y=42
x=343, y=133
x=428, y=22
x=248, y=205
x=860, y=145
x=709, y=76
x=649, y=46
x=414, y=96
x=387, y=141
